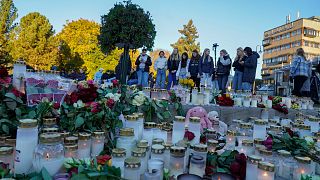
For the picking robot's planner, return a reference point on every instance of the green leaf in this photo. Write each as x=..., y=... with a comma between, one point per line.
x=226, y=153
x=223, y=170
x=5, y=128
x=166, y=114
x=11, y=104
x=32, y=114
x=159, y=116
x=79, y=176
x=79, y=121
x=45, y=174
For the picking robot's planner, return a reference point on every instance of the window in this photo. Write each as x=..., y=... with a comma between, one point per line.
x=293, y=33
x=298, y=31
x=306, y=43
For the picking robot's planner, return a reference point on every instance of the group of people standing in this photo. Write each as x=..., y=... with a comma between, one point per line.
x=202, y=69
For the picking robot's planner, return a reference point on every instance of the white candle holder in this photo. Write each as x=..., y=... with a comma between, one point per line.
x=252, y=167
x=71, y=151
x=132, y=168
x=132, y=122
x=304, y=167
x=156, y=164
x=304, y=130
x=157, y=152
x=98, y=140
x=259, y=129
x=178, y=129
x=141, y=154
x=246, y=147
x=195, y=126
x=194, y=96
x=265, y=171
x=148, y=131
x=177, y=161
x=118, y=157
x=6, y=155
x=197, y=165
x=126, y=140
x=166, y=154
x=140, y=121
x=143, y=144
x=84, y=145
x=313, y=122
x=200, y=150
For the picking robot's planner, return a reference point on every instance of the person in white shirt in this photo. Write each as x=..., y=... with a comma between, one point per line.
x=160, y=65
x=182, y=72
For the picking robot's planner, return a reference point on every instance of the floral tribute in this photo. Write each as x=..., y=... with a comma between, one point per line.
x=186, y=82
x=224, y=100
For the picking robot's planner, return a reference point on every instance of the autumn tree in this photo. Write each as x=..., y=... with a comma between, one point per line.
x=8, y=14
x=33, y=41
x=187, y=42
x=126, y=26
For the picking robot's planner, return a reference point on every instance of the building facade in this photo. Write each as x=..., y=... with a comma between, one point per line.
x=281, y=43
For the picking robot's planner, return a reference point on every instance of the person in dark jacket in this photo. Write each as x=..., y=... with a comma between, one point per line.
x=206, y=68
x=250, y=67
x=118, y=68
x=81, y=76
x=133, y=78
x=72, y=75
x=173, y=65
x=194, y=68
x=223, y=70
x=143, y=64
x=238, y=70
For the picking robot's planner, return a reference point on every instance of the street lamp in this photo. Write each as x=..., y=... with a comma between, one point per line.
x=260, y=51
x=214, y=48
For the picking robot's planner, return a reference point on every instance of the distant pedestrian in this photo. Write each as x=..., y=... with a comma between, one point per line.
x=173, y=65
x=300, y=73
x=206, y=68
x=151, y=80
x=194, y=68
x=238, y=70
x=97, y=76
x=82, y=75
x=160, y=65
x=182, y=72
x=223, y=70
x=133, y=78
x=250, y=67
x=143, y=64
x=72, y=75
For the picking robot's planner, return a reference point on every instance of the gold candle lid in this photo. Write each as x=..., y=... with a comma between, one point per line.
x=260, y=122
x=305, y=127
x=266, y=166
x=179, y=118
x=28, y=123
x=71, y=147
x=160, y=126
x=126, y=132
x=305, y=160
x=247, y=142
x=84, y=136
x=177, y=151
x=265, y=152
x=167, y=145
x=210, y=131
x=212, y=142
x=284, y=153
x=254, y=159
x=237, y=121
x=64, y=134
x=49, y=121
x=275, y=128
x=71, y=140
x=132, y=118
x=273, y=121
x=138, y=152
x=317, y=134
x=245, y=125
x=132, y=162
x=157, y=141
x=157, y=149
x=149, y=125
x=50, y=137
x=6, y=150
x=258, y=141
x=313, y=119
x=146, y=88
x=118, y=152
x=295, y=125
x=50, y=130
x=195, y=119
x=98, y=134
x=200, y=147
x=231, y=133
x=140, y=115
x=11, y=142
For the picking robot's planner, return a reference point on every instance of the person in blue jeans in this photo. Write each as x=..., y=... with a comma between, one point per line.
x=238, y=70
x=173, y=65
x=143, y=64
x=206, y=68
x=223, y=70
x=250, y=67
x=160, y=65
x=182, y=72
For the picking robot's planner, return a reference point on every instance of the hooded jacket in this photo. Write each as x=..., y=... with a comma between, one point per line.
x=250, y=67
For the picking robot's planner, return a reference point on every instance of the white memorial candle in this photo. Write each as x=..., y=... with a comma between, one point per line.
x=84, y=145
x=98, y=140
x=252, y=167
x=265, y=171
x=259, y=129
x=178, y=129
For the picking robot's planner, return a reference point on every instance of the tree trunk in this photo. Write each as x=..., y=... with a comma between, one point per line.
x=124, y=65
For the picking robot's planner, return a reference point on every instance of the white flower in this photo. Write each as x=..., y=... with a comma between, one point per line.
x=110, y=95
x=309, y=140
x=117, y=97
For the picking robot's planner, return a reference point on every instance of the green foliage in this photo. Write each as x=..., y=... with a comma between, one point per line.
x=127, y=23
x=221, y=163
x=8, y=14
x=33, y=41
x=187, y=42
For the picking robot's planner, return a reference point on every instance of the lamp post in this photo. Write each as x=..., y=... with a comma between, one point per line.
x=260, y=50
x=214, y=48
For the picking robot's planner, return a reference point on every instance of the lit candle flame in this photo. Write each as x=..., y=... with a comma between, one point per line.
x=219, y=178
x=302, y=171
x=265, y=174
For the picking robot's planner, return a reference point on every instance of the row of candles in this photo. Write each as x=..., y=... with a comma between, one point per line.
x=32, y=151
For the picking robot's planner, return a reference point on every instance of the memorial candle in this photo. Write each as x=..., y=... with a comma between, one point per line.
x=141, y=154
x=178, y=129
x=126, y=140
x=259, y=129
x=252, y=167
x=304, y=167
x=71, y=151
x=265, y=171
x=84, y=145
x=6, y=155
x=97, y=143
x=195, y=126
x=148, y=131
x=118, y=157
x=132, y=168
x=176, y=160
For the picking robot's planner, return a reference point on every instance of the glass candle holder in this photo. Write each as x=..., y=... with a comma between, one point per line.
x=245, y=132
x=153, y=175
x=275, y=130
x=132, y=168
x=199, y=150
x=265, y=114
x=141, y=154
x=258, y=144
x=200, y=97
x=126, y=140
x=235, y=125
x=84, y=145
x=211, y=134
x=65, y=134
x=156, y=164
x=147, y=91
x=132, y=122
x=269, y=103
x=97, y=143
x=259, y=129
x=304, y=130
x=143, y=144
x=194, y=96
x=49, y=123
x=264, y=98
x=266, y=155
x=265, y=171
x=140, y=121
x=166, y=154
x=195, y=126
x=49, y=153
x=176, y=160
x=178, y=129
x=70, y=140
x=252, y=167
x=148, y=131
x=71, y=151
x=313, y=122
x=157, y=141
x=157, y=152
x=246, y=147
x=212, y=145
x=27, y=140
x=118, y=157
x=303, y=167
x=246, y=101
x=197, y=165
x=284, y=170
x=6, y=155
x=230, y=140
x=254, y=103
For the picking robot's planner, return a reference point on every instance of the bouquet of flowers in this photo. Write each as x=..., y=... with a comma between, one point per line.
x=223, y=100
x=186, y=82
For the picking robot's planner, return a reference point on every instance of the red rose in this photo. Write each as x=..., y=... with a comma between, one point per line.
x=209, y=170
x=290, y=132
x=16, y=92
x=203, y=139
x=56, y=105
x=72, y=171
x=189, y=135
x=268, y=143
x=241, y=158
x=110, y=103
x=115, y=83
x=3, y=72
x=73, y=97
x=103, y=159
x=235, y=168
x=4, y=165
